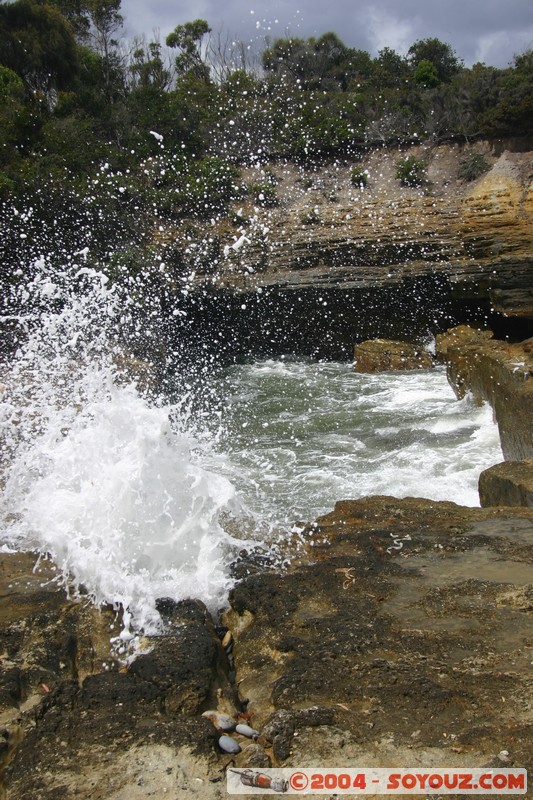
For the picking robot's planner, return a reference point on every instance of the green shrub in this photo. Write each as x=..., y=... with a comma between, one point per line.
x=359, y=177
x=411, y=171
x=6, y=185
x=310, y=218
x=205, y=186
x=472, y=165
x=264, y=194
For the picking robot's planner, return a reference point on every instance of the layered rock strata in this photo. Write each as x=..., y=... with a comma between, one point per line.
x=501, y=374
x=327, y=232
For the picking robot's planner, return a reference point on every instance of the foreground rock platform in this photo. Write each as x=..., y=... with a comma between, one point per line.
x=400, y=636
x=410, y=630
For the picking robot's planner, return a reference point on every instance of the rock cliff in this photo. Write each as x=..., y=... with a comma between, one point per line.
x=499, y=373
x=333, y=263
x=327, y=232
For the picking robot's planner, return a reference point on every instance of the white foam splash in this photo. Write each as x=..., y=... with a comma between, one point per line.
x=108, y=483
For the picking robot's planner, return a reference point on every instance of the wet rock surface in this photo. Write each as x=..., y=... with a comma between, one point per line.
x=77, y=723
x=499, y=373
x=380, y=355
x=507, y=484
x=406, y=640
x=400, y=636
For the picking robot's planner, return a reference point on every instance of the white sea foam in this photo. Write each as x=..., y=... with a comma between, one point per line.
x=108, y=483
x=350, y=435
x=129, y=495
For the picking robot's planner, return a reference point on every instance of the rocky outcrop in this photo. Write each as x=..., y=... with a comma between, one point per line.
x=76, y=722
x=401, y=636
x=501, y=374
x=382, y=355
x=327, y=232
x=459, y=336
x=507, y=484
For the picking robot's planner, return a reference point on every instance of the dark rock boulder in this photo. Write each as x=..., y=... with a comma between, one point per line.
x=507, y=484
x=383, y=355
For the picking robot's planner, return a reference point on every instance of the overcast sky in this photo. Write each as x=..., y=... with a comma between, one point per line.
x=479, y=30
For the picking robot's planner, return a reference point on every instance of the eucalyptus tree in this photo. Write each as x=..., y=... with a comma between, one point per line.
x=187, y=39
x=439, y=54
x=38, y=44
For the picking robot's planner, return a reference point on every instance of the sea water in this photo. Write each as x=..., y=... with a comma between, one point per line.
x=300, y=435
x=136, y=497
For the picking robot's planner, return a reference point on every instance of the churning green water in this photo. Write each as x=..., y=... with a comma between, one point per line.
x=298, y=436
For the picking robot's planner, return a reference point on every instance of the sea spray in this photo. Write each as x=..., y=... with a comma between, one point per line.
x=105, y=480
x=136, y=497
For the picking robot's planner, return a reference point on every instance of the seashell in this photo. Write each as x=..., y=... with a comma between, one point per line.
x=245, y=730
x=228, y=745
x=220, y=721
x=227, y=640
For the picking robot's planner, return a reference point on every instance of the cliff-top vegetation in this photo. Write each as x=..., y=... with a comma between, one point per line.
x=96, y=136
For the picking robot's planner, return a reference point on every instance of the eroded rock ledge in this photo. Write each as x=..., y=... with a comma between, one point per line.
x=501, y=374
x=493, y=371
x=327, y=233
x=402, y=637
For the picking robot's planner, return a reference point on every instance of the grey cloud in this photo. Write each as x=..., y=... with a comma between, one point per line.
x=491, y=30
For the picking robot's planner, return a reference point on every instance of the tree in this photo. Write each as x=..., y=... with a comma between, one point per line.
x=288, y=57
x=147, y=68
x=476, y=92
x=188, y=39
x=17, y=123
x=323, y=63
x=359, y=66
x=38, y=43
x=513, y=113
x=93, y=21
x=438, y=53
x=390, y=70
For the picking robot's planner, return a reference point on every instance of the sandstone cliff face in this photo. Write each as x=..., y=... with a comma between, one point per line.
x=326, y=232
x=501, y=374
